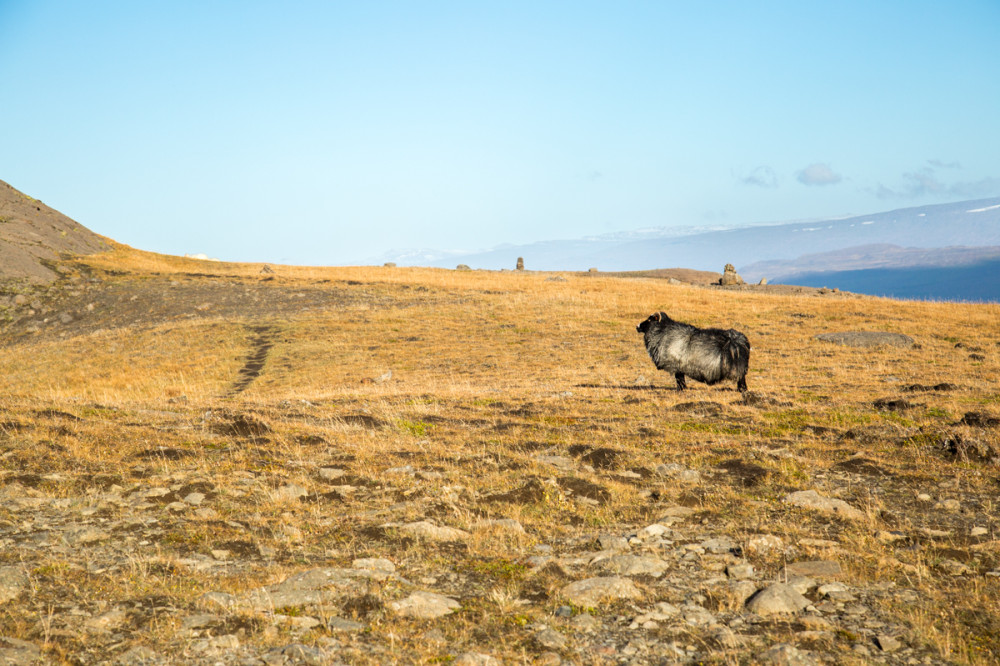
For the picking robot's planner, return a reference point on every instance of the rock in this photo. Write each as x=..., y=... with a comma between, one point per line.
x=298, y=654
x=810, y=499
x=106, y=622
x=550, y=639
x=815, y=569
x=697, y=616
x=84, y=535
x=719, y=546
x=730, y=276
x=777, y=599
x=741, y=571
x=462, y=267
x=475, y=659
x=764, y=543
x=15, y=652
x=13, y=581
x=632, y=565
x=216, y=646
x=786, y=655
x=613, y=542
x=330, y=473
x=313, y=587
x=763, y=281
x=374, y=564
x=800, y=584
x=887, y=643
x=520, y=264
x=425, y=606
x=978, y=531
x=661, y=612
x=867, y=339
x=289, y=493
x=429, y=531
x=140, y=655
x=340, y=624
x=591, y=592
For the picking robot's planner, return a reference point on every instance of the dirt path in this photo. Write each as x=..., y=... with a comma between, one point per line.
x=254, y=365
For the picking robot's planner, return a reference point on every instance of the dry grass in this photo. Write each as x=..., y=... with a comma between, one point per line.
x=488, y=371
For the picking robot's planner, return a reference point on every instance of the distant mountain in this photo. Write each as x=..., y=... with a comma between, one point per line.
x=32, y=234
x=866, y=257
x=966, y=223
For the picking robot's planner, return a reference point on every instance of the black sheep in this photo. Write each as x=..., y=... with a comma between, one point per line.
x=707, y=355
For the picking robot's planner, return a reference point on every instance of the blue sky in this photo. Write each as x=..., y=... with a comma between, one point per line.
x=331, y=132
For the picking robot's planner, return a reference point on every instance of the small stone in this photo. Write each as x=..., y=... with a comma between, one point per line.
x=800, y=584
x=374, y=564
x=290, y=492
x=764, y=543
x=653, y=531
x=786, y=655
x=431, y=532
x=951, y=505
x=194, y=499
x=425, y=606
x=887, y=643
x=978, y=531
x=810, y=499
x=106, y=621
x=330, y=473
x=340, y=624
x=719, y=546
x=953, y=567
x=633, y=565
x=591, y=592
x=742, y=571
x=611, y=542
x=13, y=581
x=924, y=497
x=550, y=639
x=777, y=599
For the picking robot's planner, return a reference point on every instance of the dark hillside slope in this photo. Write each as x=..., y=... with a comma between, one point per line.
x=32, y=234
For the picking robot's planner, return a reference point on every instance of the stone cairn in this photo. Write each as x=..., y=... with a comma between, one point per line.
x=730, y=276
x=520, y=263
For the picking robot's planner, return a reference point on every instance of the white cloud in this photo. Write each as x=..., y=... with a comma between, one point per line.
x=818, y=174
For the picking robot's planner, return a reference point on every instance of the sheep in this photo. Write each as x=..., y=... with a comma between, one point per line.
x=707, y=355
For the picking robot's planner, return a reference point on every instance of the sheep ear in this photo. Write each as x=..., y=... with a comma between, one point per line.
x=656, y=316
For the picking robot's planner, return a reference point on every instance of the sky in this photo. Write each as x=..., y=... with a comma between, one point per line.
x=334, y=132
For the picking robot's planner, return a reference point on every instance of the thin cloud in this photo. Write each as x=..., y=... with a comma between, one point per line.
x=762, y=176
x=938, y=164
x=925, y=182
x=818, y=174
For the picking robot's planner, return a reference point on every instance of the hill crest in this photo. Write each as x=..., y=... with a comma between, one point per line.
x=33, y=235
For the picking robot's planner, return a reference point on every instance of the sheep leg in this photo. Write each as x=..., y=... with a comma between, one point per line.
x=681, y=384
x=741, y=384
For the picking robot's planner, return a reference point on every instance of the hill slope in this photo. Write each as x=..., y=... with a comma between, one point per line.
x=32, y=235
x=210, y=462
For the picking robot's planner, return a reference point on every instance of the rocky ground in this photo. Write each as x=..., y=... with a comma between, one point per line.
x=594, y=518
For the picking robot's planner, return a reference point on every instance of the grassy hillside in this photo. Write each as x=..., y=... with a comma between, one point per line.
x=188, y=447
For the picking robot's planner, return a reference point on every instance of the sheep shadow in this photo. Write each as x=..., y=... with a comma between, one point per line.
x=631, y=387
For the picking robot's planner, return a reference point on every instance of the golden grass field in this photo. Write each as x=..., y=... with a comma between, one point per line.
x=167, y=375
